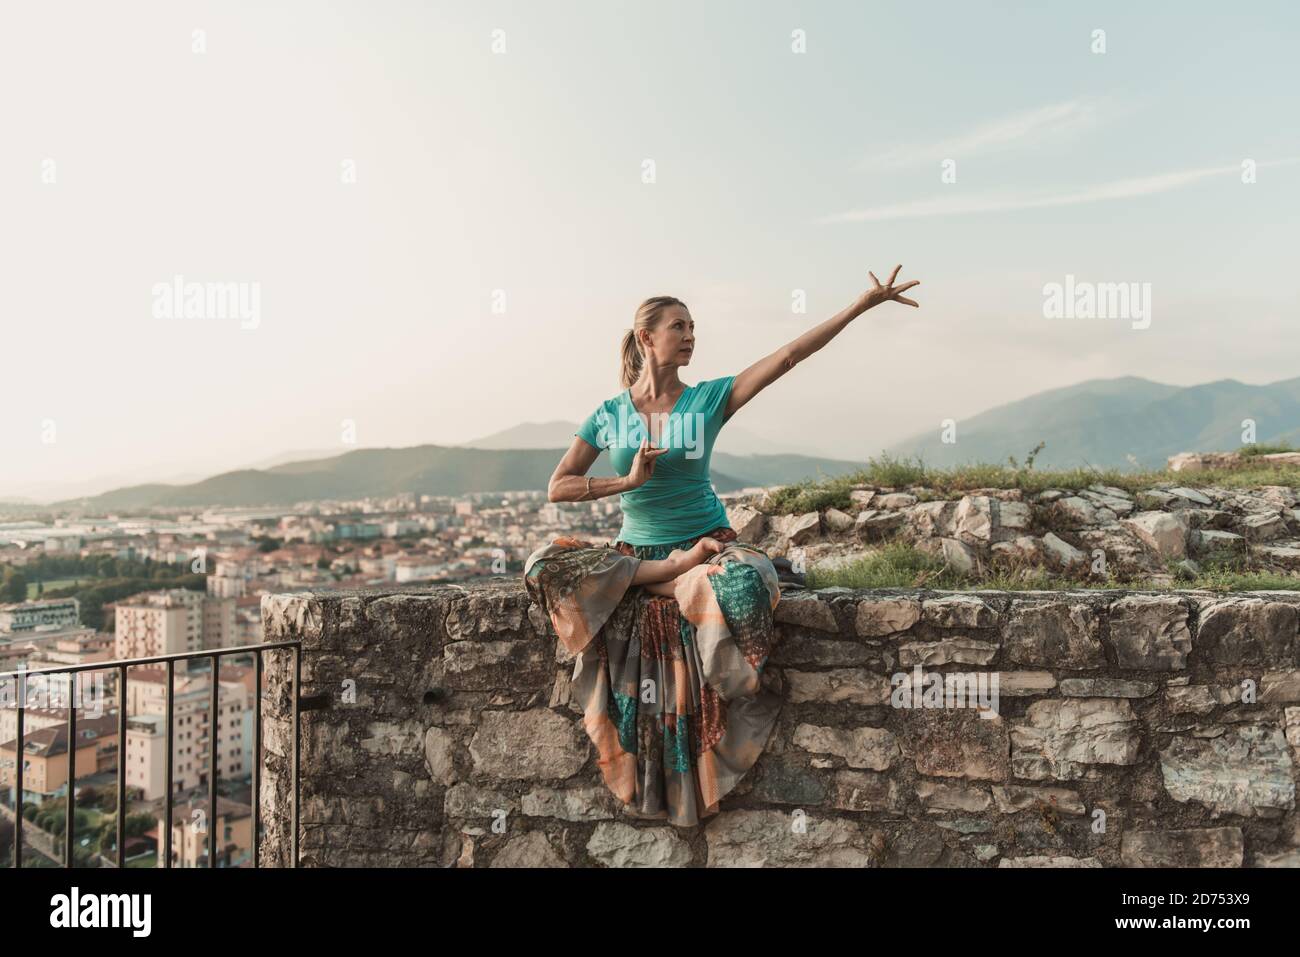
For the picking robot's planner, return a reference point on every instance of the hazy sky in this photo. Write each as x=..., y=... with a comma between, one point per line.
x=131, y=157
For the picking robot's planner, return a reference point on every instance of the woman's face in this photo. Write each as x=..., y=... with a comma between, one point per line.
x=672, y=342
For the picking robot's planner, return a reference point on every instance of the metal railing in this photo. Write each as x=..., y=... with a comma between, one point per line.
x=214, y=746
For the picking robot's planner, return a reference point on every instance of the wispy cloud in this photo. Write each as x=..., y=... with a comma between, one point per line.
x=1026, y=129
x=959, y=205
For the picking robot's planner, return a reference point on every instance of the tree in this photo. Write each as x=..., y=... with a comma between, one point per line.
x=108, y=801
x=14, y=585
x=105, y=837
x=53, y=820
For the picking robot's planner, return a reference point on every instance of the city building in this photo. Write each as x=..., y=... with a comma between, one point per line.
x=24, y=617
x=219, y=622
x=416, y=569
x=78, y=646
x=171, y=622
x=35, y=718
x=358, y=530
x=248, y=620
x=14, y=655
x=229, y=579
x=234, y=826
x=45, y=757
x=146, y=729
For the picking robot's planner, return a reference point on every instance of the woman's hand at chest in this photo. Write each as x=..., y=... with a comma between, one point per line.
x=643, y=463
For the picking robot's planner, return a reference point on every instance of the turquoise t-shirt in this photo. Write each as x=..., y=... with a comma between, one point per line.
x=678, y=502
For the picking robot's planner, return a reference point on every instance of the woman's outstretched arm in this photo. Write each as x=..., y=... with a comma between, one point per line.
x=770, y=368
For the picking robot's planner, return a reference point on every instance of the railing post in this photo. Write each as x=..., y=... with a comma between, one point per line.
x=19, y=802
x=257, y=765
x=170, y=745
x=214, y=746
x=121, y=767
x=71, y=825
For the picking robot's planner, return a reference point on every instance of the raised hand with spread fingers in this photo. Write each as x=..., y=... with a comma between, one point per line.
x=887, y=292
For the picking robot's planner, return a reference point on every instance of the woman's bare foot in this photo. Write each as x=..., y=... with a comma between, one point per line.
x=704, y=549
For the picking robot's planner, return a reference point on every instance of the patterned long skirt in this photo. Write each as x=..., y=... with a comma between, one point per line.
x=670, y=688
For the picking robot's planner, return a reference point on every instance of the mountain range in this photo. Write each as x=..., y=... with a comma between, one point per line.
x=425, y=469
x=1115, y=423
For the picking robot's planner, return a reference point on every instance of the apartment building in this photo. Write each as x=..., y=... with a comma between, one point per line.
x=248, y=620
x=234, y=826
x=25, y=617
x=173, y=621
x=45, y=757
x=80, y=646
x=230, y=579
x=146, y=729
x=34, y=718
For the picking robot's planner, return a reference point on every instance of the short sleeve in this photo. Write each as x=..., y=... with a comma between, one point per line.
x=594, y=429
x=718, y=399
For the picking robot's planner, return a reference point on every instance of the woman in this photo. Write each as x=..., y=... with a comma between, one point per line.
x=671, y=623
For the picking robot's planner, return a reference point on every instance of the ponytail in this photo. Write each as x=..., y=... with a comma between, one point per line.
x=632, y=360
x=648, y=314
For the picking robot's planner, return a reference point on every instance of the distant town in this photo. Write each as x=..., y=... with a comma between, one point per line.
x=81, y=589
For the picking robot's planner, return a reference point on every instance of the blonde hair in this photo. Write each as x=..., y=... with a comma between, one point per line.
x=648, y=315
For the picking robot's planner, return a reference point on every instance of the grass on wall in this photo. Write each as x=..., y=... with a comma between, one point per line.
x=899, y=565
x=888, y=472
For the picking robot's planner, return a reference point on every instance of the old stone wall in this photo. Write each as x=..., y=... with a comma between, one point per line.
x=1128, y=729
x=1086, y=533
